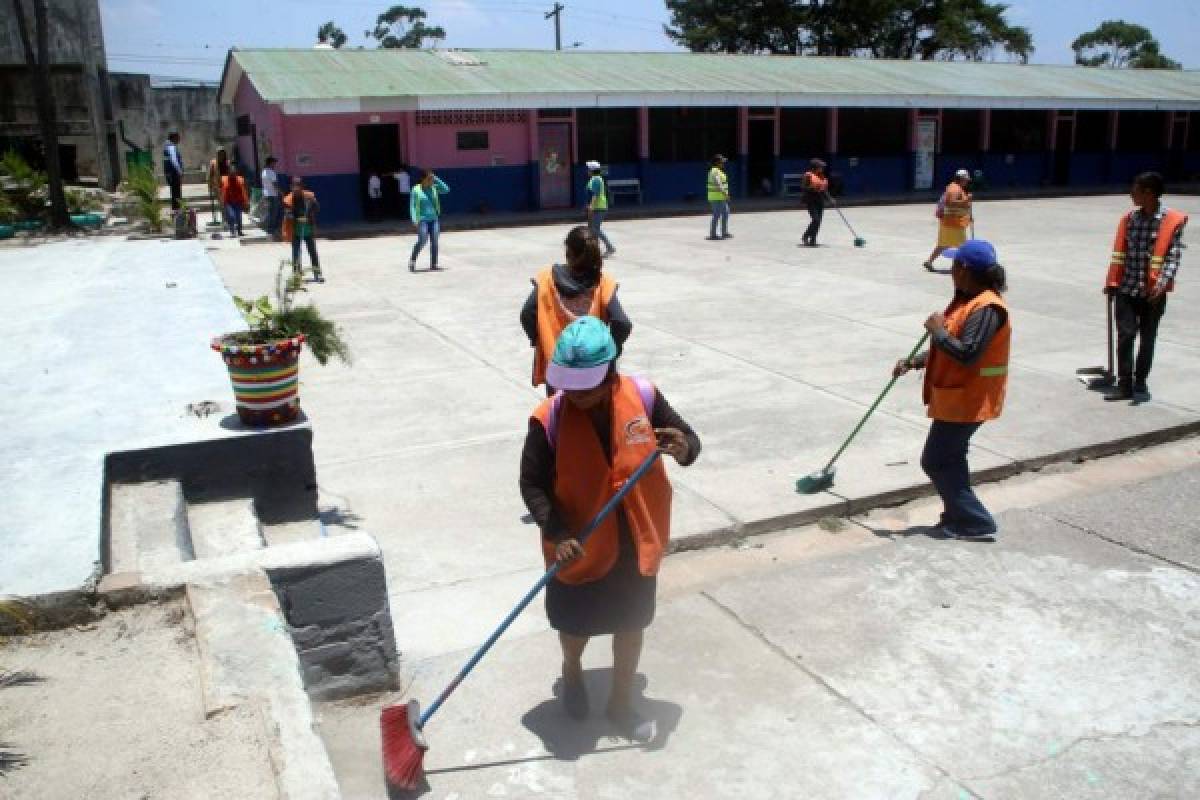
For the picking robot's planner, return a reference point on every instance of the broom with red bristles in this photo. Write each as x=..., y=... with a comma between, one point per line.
x=403, y=726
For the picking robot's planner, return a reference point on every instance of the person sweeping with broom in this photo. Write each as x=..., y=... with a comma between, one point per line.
x=954, y=216
x=564, y=292
x=582, y=445
x=966, y=374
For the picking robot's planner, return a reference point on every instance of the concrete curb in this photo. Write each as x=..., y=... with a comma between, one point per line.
x=845, y=507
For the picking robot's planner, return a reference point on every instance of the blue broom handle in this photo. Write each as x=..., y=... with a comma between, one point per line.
x=582, y=537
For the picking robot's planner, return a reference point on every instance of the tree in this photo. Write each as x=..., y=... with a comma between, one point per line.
x=331, y=35
x=38, y=62
x=925, y=29
x=402, y=26
x=1117, y=43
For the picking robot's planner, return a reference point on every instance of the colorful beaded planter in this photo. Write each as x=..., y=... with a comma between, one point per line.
x=265, y=378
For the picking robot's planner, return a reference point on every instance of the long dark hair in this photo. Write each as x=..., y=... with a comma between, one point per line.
x=583, y=253
x=993, y=278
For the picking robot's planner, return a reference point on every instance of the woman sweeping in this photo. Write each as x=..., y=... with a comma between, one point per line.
x=966, y=374
x=582, y=443
x=564, y=292
x=954, y=216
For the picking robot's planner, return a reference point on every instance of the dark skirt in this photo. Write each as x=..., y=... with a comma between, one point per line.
x=621, y=601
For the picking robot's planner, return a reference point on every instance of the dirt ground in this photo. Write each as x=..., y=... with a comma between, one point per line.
x=119, y=716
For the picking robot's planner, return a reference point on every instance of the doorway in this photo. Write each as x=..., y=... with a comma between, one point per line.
x=1064, y=133
x=760, y=158
x=379, y=152
x=554, y=164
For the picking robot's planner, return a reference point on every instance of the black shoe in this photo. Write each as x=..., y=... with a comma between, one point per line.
x=713, y=238
x=977, y=536
x=435, y=268
x=726, y=235
x=1141, y=393
x=632, y=725
x=928, y=265
x=319, y=278
x=574, y=697
x=1122, y=391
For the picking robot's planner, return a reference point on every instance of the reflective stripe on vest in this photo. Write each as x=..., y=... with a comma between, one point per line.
x=1171, y=222
x=584, y=480
x=553, y=316
x=957, y=392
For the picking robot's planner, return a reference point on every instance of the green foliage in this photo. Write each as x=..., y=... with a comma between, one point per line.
x=142, y=184
x=8, y=209
x=403, y=26
x=281, y=320
x=80, y=201
x=1117, y=43
x=26, y=186
x=331, y=35
x=905, y=29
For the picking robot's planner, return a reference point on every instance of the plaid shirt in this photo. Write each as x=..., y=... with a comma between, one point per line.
x=1139, y=247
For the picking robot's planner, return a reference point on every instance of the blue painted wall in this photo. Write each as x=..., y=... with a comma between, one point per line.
x=339, y=196
x=1089, y=169
x=874, y=174
x=672, y=182
x=494, y=189
x=1027, y=170
x=1126, y=165
x=620, y=171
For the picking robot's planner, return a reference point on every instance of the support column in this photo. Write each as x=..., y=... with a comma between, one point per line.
x=534, y=164
x=743, y=149
x=832, y=131
x=985, y=130
x=412, y=151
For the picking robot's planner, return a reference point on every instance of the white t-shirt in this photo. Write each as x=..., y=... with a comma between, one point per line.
x=374, y=189
x=403, y=183
x=269, y=180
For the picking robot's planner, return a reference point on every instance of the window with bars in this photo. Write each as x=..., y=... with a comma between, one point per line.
x=692, y=134
x=608, y=135
x=464, y=118
x=803, y=132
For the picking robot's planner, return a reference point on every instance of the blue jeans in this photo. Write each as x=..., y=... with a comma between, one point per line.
x=233, y=219
x=427, y=230
x=595, y=220
x=720, y=211
x=945, y=462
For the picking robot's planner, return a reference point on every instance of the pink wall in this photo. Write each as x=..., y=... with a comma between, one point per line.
x=266, y=119
x=330, y=141
x=437, y=145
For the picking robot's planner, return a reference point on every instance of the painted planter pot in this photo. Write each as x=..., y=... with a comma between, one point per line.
x=265, y=378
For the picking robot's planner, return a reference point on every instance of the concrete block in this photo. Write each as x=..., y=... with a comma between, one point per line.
x=352, y=590
x=224, y=527
x=148, y=526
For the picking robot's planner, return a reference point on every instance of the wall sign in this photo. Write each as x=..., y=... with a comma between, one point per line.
x=925, y=152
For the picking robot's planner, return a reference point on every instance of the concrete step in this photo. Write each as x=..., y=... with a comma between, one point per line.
x=247, y=659
x=282, y=533
x=148, y=527
x=224, y=527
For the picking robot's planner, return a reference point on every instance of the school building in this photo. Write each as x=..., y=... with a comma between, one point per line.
x=510, y=130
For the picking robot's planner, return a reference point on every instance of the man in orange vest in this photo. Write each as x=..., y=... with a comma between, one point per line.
x=954, y=216
x=815, y=187
x=1142, y=270
x=563, y=292
x=582, y=445
x=966, y=374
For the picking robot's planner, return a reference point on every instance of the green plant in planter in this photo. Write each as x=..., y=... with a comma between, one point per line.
x=26, y=185
x=80, y=201
x=142, y=184
x=282, y=320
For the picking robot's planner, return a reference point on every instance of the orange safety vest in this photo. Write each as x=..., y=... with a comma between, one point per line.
x=815, y=183
x=956, y=207
x=1171, y=222
x=974, y=392
x=233, y=191
x=584, y=481
x=553, y=315
x=289, y=221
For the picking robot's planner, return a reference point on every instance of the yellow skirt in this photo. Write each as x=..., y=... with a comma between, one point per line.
x=951, y=235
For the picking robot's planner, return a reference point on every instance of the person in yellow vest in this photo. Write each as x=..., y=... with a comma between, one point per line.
x=581, y=445
x=815, y=187
x=1142, y=270
x=966, y=375
x=564, y=292
x=954, y=216
x=718, y=198
x=597, y=206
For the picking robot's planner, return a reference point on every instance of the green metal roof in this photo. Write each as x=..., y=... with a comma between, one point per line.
x=329, y=80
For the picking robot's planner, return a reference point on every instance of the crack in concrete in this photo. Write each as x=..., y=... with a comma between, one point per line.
x=1093, y=737
x=845, y=699
x=1123, y=545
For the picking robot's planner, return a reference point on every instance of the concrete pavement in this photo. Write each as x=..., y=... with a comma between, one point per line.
x=869, y=661
x=772, y=351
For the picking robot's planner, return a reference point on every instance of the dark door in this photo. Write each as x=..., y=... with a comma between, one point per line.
x=554, y=164
x=760, y=158
x=1063, y=133
x=379, y=152
x=1175, y=159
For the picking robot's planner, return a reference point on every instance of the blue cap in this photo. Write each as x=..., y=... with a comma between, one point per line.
x=582, y=354
x=977, y=255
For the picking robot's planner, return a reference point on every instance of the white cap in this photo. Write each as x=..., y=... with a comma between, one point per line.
x=592, y=164
x=962, y=173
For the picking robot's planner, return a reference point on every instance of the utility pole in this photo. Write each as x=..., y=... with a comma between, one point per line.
x=557, y=14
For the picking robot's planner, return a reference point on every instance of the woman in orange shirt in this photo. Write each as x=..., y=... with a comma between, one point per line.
x=234, y=199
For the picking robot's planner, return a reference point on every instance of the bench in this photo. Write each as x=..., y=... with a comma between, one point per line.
x=628, y=187
x=792, y=184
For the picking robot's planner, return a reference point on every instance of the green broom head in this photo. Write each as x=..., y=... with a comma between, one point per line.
x=860, y=242
x=815, y=482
